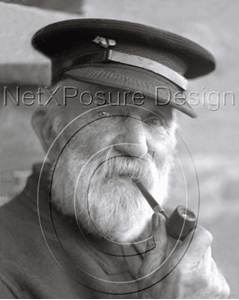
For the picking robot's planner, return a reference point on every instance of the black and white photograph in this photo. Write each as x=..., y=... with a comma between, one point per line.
x=119, y=149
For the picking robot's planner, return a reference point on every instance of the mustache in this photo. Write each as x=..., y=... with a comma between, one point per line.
x=112, y=164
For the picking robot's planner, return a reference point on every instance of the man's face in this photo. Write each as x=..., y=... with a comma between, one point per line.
x=106, y=148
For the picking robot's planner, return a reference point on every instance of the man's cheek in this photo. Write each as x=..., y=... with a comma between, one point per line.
x=98, y=140
x=159, y=161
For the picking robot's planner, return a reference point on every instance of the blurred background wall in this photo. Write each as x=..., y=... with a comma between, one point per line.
x=73, y=6
x=212, y=140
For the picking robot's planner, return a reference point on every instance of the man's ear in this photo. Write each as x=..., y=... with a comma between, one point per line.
x=42, y=128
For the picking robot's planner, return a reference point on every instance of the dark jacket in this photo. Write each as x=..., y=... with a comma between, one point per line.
x=45, y=255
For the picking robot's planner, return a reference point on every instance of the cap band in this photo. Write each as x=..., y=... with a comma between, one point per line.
x=128, y=59
x=148, y=64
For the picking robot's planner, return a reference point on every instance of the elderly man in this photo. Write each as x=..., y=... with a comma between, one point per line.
x=81, y=228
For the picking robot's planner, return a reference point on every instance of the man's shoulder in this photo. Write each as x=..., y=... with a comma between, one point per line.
x=23, y=252
x=15, y=213
x=18, y=225
x=23, y=208
x=26, y=264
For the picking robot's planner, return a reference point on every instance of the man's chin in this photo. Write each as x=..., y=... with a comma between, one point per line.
x=128, y=231
x=139, y=232
x=117, y=210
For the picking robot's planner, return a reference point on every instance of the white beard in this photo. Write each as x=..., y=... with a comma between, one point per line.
x=101, y=195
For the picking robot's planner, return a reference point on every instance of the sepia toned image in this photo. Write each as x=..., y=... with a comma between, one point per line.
x=119, y=149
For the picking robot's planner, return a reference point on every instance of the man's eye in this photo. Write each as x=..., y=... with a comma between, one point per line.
x=154, y=121
x=103, y=114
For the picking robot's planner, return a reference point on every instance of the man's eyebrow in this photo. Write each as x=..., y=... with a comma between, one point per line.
x=162, y=110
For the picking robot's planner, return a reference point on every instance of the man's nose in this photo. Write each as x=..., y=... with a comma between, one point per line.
x=132, y=140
